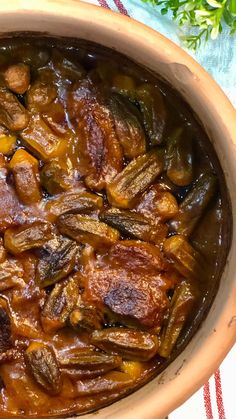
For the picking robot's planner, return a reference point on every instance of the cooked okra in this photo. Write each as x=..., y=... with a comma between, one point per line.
x=87, y=230
x=130, y=344
x=60, y=303
x=187, y=260
x=56, y=176
x=112, y=381
x=128, y=126
x=43, y=365
x=86, y=317
x=154, y=112
x=20, y=239
x=80, y=202
x=135, y=225
x=195, y=204
x=182, y=302
x=57, y=260
x=5, y=331
x=40, y=139
x=90, y=360
x=25, y=169
x=179, y=157
x=13, y=115
x=134, y=179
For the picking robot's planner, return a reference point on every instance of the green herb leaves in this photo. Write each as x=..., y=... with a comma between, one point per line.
x=200, y=19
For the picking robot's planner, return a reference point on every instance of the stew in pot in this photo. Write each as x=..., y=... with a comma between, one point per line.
x=114, y=226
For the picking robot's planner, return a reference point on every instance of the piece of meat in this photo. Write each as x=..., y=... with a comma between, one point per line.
x=130, y=281
x=17, y=78
x=13, y=115
x=11, y=274
x=99, y=149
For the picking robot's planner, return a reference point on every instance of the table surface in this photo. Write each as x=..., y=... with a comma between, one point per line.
x=216, y=399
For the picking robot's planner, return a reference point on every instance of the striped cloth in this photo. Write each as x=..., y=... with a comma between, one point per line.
x=215, y=400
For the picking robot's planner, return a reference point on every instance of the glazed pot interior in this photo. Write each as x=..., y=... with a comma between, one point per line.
x=217, y=333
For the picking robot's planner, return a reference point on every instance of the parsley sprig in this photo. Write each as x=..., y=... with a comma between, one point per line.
x=201, y=19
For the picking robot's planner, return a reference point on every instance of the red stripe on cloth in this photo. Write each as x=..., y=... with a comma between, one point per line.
x=219, y=395
x=121, y=7
x=207, y=401
x=103, y=3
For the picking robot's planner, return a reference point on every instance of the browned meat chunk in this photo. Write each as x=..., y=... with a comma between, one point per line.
x=11, y=274
x=13, y=115
x=99, y=149
x=17, y=78
x=131, y=280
